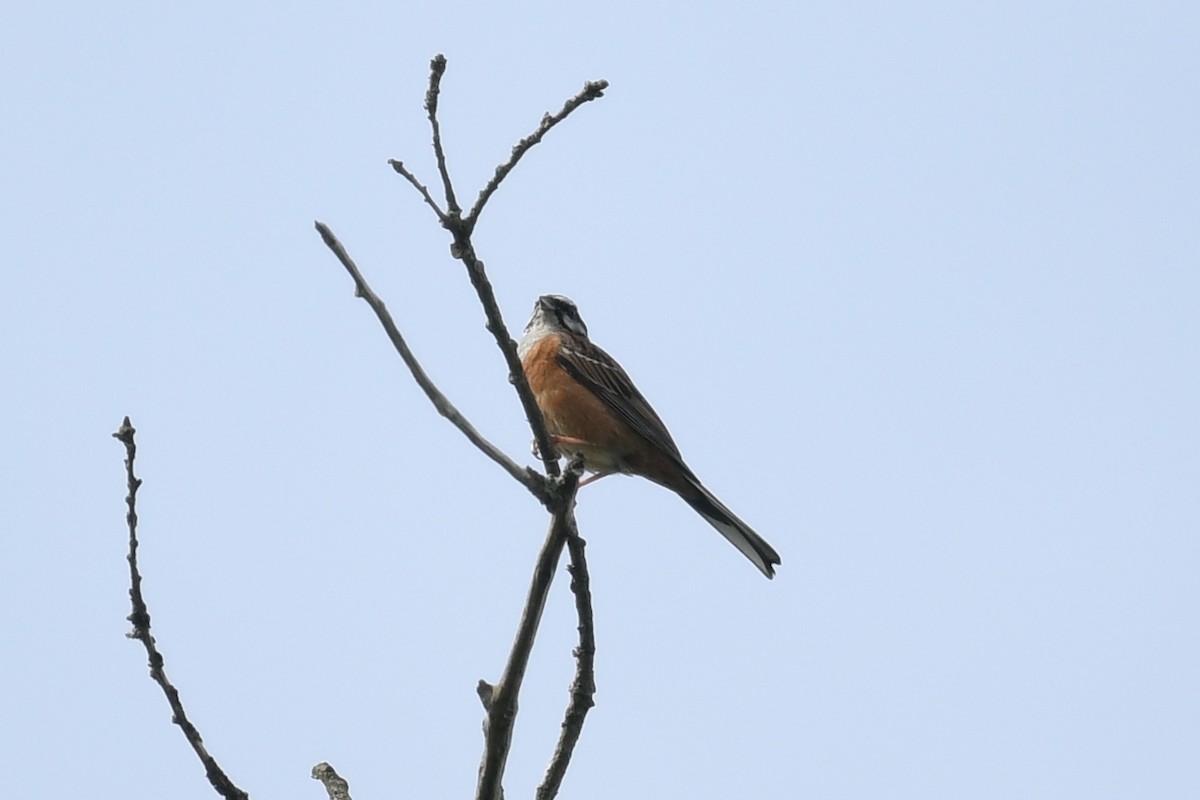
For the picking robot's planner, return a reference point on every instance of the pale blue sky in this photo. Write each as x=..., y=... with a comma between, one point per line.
x=915, y=288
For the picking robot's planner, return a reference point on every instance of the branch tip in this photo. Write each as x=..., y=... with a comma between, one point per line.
x=335, y=785
x=592, y=90
x=422, y=190
x=485, y=691
x=437, y=68
x=140, y=618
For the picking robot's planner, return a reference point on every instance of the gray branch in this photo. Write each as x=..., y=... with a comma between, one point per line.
x=527, y=477
x=140, y=618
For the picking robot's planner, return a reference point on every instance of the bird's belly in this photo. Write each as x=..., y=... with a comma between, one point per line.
x=582, y=428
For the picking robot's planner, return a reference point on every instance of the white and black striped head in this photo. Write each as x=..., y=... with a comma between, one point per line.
x=552, y=313
x=557, y=313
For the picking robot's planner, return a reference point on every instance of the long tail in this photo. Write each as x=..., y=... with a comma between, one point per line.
x=740, y=535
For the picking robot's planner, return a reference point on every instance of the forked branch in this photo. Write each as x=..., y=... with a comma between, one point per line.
x=583, y=688
x=500, y=700
x=461, y=229
x=557, y=491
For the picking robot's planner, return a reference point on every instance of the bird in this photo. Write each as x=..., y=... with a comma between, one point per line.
x=593, y=410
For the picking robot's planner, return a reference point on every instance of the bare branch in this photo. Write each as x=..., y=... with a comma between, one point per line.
x=558, y=493
x=140, y=617
x=583, y=688
x=462, y=227
x=420, y=187
x=499, y=330
x=437, y=68
x=591, y=91
x=335, y=785
x=527, y=477
x=501, y=701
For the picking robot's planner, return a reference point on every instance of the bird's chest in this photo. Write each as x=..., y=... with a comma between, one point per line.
x=573, y=413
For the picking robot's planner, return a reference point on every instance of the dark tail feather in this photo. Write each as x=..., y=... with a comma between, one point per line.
x=740, y=535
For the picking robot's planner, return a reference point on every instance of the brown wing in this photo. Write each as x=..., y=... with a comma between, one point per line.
x=604, y=377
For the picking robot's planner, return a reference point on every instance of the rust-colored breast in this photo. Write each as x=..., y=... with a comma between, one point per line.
x=572, y=411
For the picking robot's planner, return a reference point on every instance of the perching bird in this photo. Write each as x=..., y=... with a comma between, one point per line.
x=592, y=408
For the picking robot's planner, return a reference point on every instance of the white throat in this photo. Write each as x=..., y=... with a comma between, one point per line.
x=535, y=331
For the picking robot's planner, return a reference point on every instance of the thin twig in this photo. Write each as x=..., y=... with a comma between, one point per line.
x=583, y=688
x=527, y=477
x=437, y=68
x=335, y=785
x=501, y=701
x=420, y=187
x=140, y=617
x=591, y=91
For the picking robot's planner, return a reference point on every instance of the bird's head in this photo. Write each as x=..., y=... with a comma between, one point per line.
x=554, y=313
